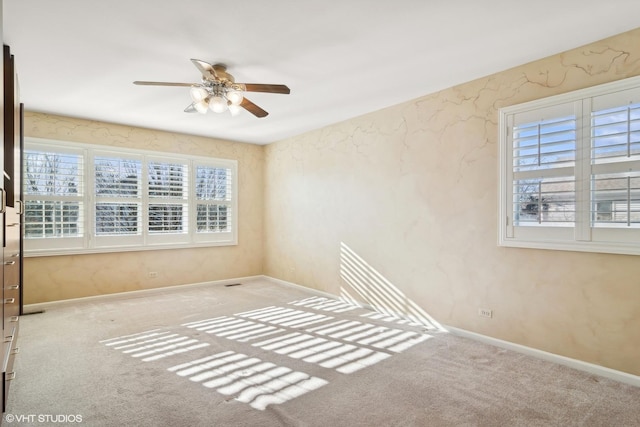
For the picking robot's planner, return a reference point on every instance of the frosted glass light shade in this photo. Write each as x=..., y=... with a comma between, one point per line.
x=218, y=104
x=201, y=106
x=234, y=109
x=235, y=97
x=198, y=93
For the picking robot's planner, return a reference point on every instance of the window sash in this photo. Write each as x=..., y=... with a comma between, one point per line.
x=615, y=200
x=54, y=194
x=168, y=194
x=544, y=144
x=116, y=176
x=545, y=201
x=50, y=219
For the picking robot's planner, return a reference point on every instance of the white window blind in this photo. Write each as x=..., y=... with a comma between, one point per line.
x=615, y=154
x=138, y=200
x=168, y=195
x=544, y=157
x=570, y=171
x=214, y=201
x=117, y=194
x=54, y=196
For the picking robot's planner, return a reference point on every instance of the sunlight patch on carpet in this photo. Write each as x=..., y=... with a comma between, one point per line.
x=233, y=328
x=154, y=345
x=325, y=304
x=249, y=379
x=344, y=358
x=381, y=337
x=285, y=316
x=344, y=345
x=348, y=303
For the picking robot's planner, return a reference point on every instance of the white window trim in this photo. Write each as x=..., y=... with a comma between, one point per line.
x=582, y=237
x=87, y=243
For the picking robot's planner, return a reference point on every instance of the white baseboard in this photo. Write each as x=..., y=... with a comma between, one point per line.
x=591, y=368
x=41, y=306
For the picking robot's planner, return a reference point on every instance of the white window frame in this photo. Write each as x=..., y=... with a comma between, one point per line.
x=112, y=241
x=184, y=236
x=89, y=242
x=70, y=244
x=228, y=202
x=582, y=236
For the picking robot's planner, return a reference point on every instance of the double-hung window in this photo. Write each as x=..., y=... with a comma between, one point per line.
x=570, y=171
x=55, y=197
x=84, y=198
x=117, y=206
x=168, y=203
x=213, y=200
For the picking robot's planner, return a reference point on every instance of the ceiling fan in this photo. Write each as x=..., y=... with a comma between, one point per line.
x=219, y=92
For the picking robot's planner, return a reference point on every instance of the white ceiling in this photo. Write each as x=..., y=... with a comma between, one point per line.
x=341, y=59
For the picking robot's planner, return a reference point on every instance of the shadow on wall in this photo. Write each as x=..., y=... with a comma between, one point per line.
x=377, y=292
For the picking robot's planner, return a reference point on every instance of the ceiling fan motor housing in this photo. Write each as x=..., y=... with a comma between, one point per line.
x=221, y=74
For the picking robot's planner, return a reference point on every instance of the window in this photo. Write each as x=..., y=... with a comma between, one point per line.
x=213, y=199
x=85, y=198
x=570, y=171
x=54, y=197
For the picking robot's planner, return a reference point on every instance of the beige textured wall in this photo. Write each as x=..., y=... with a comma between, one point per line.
x=399, y=207
x=72, y=276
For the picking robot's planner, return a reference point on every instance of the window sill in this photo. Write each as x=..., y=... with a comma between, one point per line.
x=600, y=247
x=84, y=251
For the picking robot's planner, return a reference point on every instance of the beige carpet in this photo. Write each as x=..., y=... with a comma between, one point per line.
x=263, y=354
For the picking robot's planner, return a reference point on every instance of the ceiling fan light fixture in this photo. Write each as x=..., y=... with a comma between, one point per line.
x=234, y=96
x=234, y=109
x=218, y=104
x=201, y=106
x=198, y=93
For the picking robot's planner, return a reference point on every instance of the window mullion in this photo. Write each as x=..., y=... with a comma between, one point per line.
x=628, y=201
x=583, y=170
x=192, y=202
x=506, y=164
x=144, y=199
x=89, y=191
x=629, y=132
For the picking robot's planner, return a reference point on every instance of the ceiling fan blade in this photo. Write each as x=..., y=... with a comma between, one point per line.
x=205, y=69
x=253, y=108
x=256, y=87
x=163, y=84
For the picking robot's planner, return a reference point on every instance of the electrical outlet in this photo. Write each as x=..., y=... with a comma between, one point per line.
x=485, y=312
x=153, y=274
